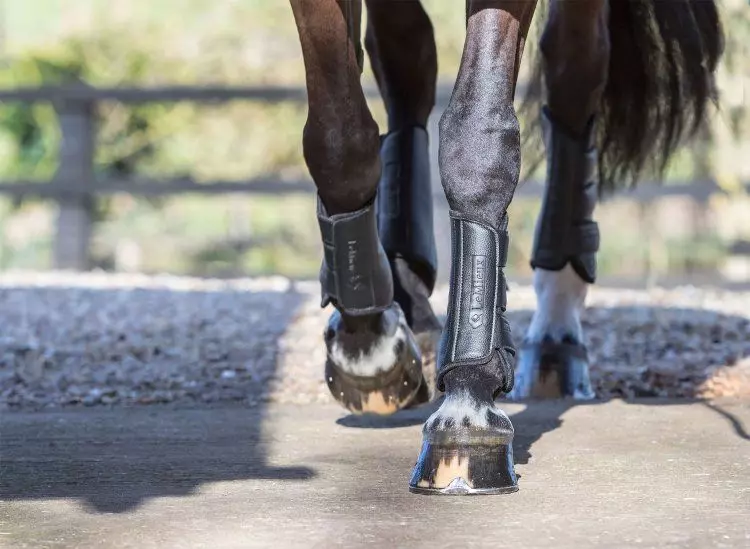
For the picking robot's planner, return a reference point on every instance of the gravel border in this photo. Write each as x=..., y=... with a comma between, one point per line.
x=93, y=339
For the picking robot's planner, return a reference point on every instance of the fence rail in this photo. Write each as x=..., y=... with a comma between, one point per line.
x=173, y=94
x=75, y=183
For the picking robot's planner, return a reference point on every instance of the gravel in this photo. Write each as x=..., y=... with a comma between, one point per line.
x=99, y=339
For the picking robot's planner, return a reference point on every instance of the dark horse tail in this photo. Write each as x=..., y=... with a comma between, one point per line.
x=663, y=58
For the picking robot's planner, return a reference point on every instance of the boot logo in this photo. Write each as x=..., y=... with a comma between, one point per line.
x=356, y=280
x=478, y=278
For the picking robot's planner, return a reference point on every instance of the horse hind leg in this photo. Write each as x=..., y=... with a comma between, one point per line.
x=373, y=363
x=553, y=361
x=467, y=442
x=401, y=45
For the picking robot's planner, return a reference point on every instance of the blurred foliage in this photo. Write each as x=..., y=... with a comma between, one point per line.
x=139, y=43
x=31, y=133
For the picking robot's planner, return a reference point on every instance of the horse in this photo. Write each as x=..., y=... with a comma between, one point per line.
x=625, y=82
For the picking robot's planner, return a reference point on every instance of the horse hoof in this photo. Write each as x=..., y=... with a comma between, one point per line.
x=377, y=369
x=552, y=370
x=465, y=451
x=428, y=346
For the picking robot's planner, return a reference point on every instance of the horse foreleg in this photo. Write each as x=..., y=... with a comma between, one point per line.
x=467, y=442
x=575, y=47
x=373, y=364
x=401, y=46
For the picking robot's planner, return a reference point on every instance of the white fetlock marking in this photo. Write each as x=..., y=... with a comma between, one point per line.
x=380, y=358
x=560, y=299
x=457, y=406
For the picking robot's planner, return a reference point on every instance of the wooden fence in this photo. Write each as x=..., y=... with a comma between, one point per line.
x=75, y=184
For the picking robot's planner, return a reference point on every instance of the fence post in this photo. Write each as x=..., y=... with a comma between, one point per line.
x=75, y=178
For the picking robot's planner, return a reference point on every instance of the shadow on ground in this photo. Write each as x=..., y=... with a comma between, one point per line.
x=656, y=351
x=534, y=421
x=112, y=466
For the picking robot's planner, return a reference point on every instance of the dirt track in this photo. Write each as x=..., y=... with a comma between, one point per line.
x=96, y=339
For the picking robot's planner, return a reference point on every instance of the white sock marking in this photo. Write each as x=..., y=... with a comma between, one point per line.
x=457, y=406
x=460, y=405
x=380, y=358
x=560, y=299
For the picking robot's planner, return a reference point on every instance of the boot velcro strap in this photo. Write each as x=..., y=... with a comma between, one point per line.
x=586, y=235
x=476, y=327
x=506, y=338
x=582, y=238
x=355, y=275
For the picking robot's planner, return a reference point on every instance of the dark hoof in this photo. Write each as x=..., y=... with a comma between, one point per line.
x=467, y=449
x=552, y=370
x=465, y=469
x=376, y=370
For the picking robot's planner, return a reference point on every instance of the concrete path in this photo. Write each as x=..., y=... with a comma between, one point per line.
x=615, y=474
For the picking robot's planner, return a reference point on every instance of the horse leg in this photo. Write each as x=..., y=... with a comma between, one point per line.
x=401, y=45
x=575, y=48
x=467, y=442
x=373, y=363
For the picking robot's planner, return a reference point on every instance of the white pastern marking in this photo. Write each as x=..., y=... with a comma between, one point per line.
x=380, y=358
x=560, y=297
x=458, y=406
